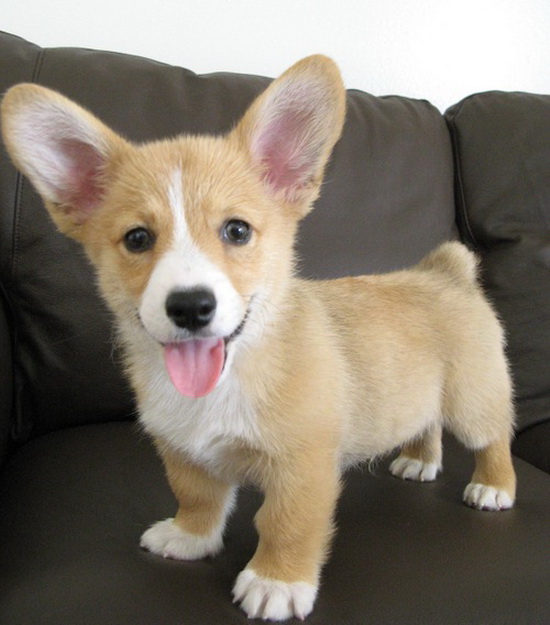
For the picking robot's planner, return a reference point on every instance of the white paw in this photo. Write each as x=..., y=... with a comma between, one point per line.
x=413, y=469
x=168, y=540
x=271, y=599
x=485, y=497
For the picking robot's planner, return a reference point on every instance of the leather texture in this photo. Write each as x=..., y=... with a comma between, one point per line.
x=404, y=552
x=533, y=444
x=6, y=379
x=81, y=482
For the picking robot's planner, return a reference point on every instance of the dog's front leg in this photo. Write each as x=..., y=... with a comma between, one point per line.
x=295, y=526
x=204, y=504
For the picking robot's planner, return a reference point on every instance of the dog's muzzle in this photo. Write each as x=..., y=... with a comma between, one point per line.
x=195, y=364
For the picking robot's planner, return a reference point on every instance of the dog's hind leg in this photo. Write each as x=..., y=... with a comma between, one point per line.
x=482, y=420
x=420, y=459
x=493, y=485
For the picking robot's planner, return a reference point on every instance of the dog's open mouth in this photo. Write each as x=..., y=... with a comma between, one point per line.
x=195, y=365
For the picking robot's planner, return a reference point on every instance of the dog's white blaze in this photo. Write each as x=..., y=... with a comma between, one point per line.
x=175, y=201
x=185, y=266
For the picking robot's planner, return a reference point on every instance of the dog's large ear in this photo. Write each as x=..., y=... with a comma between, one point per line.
x=63, y=150
x=290, y=129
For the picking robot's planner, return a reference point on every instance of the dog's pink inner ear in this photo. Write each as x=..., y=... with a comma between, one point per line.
x=81, y=188
x=289, y=150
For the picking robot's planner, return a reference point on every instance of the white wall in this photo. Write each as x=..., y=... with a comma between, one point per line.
x=441, y=50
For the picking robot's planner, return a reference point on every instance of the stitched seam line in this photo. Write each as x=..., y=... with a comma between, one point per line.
x=18, y=429
x=460, y=198
x=19, y=187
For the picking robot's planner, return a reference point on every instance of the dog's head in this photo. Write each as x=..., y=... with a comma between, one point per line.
x=192, y=237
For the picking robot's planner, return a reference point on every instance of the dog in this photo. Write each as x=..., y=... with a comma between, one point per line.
x=244, y=373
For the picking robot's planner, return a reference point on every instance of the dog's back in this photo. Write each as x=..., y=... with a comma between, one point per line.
x=414, y=344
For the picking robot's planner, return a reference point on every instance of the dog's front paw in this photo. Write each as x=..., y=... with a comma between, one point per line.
x=485, y=497
x=272, y=599
x=168, y=540
x=412, y=469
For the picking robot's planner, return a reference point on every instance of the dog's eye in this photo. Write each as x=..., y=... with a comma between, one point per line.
x=139, y=240
x=236, y=231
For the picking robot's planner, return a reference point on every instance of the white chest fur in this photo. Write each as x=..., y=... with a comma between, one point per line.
x=208, y=429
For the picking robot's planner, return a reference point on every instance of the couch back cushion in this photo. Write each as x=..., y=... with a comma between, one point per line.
x=502, y=151
x=386, y=201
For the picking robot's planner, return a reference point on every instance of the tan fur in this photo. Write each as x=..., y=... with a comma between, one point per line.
x=493, y=466
x=200, y=497
x=331, y=372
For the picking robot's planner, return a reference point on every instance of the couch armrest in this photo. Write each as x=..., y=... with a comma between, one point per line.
x=6, y=378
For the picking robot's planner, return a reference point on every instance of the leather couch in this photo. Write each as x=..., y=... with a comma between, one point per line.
x=79, y=481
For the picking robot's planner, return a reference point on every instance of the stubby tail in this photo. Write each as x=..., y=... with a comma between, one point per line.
x=454, y=260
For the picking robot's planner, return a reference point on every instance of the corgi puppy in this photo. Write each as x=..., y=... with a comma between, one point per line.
x=244, y=373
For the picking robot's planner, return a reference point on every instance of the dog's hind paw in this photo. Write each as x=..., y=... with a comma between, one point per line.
x=483, y=497
x=271, y=599
x=413, y=469
x=168, y=540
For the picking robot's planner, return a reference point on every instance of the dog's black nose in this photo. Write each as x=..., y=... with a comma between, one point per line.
x=191, y=309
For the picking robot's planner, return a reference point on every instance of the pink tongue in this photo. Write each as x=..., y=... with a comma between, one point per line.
x=195, y=366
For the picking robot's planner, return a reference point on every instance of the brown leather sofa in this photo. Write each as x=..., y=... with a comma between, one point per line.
x=79, y=482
